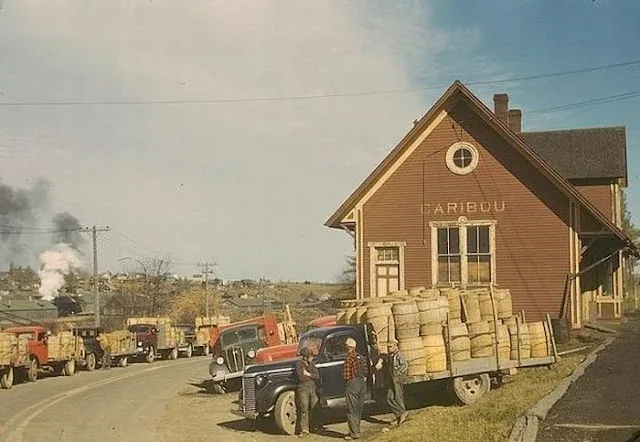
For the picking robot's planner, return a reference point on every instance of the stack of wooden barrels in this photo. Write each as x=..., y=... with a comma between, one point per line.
x=428, y=323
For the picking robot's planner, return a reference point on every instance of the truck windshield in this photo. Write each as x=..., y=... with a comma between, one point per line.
x=235, y=337
x=139, y=329
x=311, y=341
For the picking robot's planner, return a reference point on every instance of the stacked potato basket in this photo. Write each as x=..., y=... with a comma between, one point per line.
x=430, y=323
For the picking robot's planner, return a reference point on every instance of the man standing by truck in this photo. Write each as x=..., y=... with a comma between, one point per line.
x=395, y=369
x=306, y=392
x=105, y=345
x=354, y=373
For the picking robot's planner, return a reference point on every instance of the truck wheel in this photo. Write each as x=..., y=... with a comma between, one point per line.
x=189, y=351
x=151, y=356
x=32, y=371
x=219, y=389
x=285, y=412
x=6, y=379
x=205, y=350
x=469, y=389
x=123, y=362
x=91, y=362
x=173, y=355
x=70, y=368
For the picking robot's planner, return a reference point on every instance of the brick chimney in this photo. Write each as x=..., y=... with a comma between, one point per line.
x=515, y=120
x=501, y=107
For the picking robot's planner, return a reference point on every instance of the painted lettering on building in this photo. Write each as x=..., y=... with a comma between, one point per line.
x=463, y=207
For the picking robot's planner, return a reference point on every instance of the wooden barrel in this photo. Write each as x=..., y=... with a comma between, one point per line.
x=525, y=341
x=502, y=298
x=443, y=303
x=430, y=329
x=428, y=311
x=430, y=293
x=509, y=321
x=480, y=339
x=340, y=316
x=405, y=313
x=471, y=306
x=413, y=351
x=504, y=343
x=360, y=317
x=435, y=352
x=378, y=316
x=486, y=308
x=349, y=315
x=400, y=294
x=455, y=308
x=415, y=291
x=460, y=344
x=407, y=331
x=538, y=337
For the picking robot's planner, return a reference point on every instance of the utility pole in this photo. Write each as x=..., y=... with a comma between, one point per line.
x=207, y=268
x=96, y=286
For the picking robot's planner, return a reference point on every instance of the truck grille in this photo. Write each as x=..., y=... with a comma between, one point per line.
x=248, y=395
x=235, y=359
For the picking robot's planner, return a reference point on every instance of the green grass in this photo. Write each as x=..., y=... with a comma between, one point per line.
x=493, y=416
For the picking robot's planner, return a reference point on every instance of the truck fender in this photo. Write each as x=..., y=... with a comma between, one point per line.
x=268, y=401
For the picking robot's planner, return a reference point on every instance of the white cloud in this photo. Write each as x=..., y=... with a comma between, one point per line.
x=247, y=183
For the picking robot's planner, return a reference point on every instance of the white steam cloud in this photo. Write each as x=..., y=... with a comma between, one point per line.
x=56, y=263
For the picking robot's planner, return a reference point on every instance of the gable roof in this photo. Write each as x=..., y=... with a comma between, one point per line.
x=582, y=153
x=459, y=91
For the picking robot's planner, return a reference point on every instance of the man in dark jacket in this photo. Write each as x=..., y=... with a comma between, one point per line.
x=306, y=392
x=396, y=368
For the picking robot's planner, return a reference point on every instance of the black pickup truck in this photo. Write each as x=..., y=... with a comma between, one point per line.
x=268, y=390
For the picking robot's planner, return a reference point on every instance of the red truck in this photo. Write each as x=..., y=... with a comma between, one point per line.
x=43, y=351
x=288, y=351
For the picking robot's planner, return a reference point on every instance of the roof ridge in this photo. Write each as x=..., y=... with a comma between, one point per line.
x=572, y=130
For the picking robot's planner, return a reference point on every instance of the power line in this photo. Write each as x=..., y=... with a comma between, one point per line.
x=316, y=96
x=587, y=103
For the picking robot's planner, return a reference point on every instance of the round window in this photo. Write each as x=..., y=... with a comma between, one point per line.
x=462, y=158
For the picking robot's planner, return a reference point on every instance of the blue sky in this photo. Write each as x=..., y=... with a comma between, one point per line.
x=250, y=184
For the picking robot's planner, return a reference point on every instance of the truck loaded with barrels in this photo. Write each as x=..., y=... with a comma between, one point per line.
x=30, y=350
x=156, y=337
x=123, y=346
x=465, y=337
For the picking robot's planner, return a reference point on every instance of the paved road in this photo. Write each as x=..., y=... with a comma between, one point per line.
x=604, y=404
x=119, y=404
x=163, y=401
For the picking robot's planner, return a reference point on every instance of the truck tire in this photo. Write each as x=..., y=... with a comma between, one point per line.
x=32, y=371
x=189, y=351
x=123, y=362
x=469, y=389
x=284, y=413
x=70, y=368
x=6, y=379
x=173, y=354
x=151, y=355
x=90, y=362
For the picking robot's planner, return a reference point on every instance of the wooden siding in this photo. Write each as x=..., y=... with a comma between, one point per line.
x=600, y=196
x=532, y=233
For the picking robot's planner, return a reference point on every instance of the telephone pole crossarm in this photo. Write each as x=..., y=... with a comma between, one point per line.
x=207, y=269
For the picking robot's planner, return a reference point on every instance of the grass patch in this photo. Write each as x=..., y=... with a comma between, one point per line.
x=493, y=416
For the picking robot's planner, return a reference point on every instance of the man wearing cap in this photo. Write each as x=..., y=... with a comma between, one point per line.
x=396, y=368
x=306, y=392
x=354, y=374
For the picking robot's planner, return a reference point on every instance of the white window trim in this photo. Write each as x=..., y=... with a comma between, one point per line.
x=462, y=223
x=373, y=260
x=462, y=170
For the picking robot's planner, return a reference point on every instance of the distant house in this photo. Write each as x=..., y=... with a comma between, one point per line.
x=32, y=309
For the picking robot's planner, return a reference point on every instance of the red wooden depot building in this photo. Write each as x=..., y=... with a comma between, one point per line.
x=467, y=199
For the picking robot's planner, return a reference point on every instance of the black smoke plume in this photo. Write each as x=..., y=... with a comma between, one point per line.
x=67, y=229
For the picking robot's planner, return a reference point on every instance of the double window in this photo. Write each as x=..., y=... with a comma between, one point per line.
x=463, y=253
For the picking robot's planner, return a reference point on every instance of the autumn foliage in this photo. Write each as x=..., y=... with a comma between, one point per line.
x=189, y=304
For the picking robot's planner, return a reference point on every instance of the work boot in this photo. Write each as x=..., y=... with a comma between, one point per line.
x=304, y=433
x=402, y=418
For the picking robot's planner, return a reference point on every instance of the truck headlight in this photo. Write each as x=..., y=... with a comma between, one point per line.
x=219, y=360
x=261, y=380
x=140, y=344
x=251, y=354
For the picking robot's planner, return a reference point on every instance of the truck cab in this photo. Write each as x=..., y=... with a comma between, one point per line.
x=268, y=390
x=190, y=339
x=147, y=340
x=235, y=349
x=36, y=341
x=89, y=336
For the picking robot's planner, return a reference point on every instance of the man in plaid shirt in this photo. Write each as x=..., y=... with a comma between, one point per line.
x=354, y=373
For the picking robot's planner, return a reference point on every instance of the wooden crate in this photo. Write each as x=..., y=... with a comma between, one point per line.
x=8, y=348
x=212, y=321
x=64, y=346
x=123, y=342
x=202, y=336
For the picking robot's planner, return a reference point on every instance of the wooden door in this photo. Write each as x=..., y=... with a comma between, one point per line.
x=388, y=279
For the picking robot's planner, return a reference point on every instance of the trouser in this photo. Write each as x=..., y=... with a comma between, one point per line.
x=395, y=397
x=307, y=403
x=106, y=358
x=355, y=396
